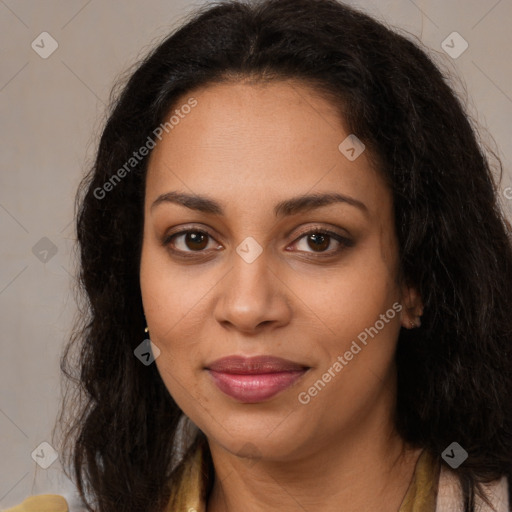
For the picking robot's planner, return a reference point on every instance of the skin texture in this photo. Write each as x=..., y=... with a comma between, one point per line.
x=249, y=147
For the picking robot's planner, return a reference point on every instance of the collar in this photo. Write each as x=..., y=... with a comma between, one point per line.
x=421, y=495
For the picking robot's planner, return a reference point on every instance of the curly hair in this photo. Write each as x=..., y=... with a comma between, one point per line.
x=454, y=373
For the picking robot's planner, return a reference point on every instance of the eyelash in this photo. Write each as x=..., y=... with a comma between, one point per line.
x=343, y=242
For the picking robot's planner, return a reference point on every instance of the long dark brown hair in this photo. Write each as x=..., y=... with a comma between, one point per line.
x=454, y=372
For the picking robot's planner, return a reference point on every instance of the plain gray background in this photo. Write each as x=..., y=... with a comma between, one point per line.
x=52, y=111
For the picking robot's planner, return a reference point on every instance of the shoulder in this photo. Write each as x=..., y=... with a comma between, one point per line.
x=450, y=494
x=42, y=503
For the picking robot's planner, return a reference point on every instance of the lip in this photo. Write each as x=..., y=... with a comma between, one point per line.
x=254, y=379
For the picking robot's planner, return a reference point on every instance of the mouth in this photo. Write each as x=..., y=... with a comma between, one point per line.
x=254, y=379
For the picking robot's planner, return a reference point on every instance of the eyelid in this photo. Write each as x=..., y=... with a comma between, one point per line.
x=183, y=229
x=318, y=228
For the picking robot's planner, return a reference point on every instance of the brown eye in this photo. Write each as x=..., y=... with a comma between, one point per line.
x=322, y=243
x=189, y=241
x=196, y=240
x=318, y=241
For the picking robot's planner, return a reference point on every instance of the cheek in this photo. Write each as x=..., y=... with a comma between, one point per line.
x=185, y=388
x=356, y=306
x=357, y=380
x=362, y=335
x=172, y=305
x=357, y=357
x=179, y=377
x=172, y=295
x=354, y=296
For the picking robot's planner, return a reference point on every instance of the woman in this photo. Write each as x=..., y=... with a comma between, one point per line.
x=290, y=202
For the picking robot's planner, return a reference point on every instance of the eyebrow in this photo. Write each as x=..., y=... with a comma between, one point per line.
x=287, y=207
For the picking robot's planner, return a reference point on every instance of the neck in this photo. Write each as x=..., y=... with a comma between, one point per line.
x=369, y=468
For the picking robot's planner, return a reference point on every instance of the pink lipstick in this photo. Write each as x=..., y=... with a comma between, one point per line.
x=254, y=379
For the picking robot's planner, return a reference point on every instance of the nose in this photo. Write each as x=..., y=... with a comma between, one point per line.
x=252, y=297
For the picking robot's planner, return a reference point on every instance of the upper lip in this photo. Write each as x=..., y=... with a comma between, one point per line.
x=254, y=365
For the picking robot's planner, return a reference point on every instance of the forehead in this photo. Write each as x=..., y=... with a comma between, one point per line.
x=259, y=141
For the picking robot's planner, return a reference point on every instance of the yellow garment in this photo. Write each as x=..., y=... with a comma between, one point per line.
x=421, y=495
x=190, y=494
x=42, y=503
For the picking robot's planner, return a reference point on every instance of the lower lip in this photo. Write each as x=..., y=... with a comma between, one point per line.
x=255, y=388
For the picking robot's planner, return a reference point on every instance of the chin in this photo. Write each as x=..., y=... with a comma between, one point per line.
x=272, y=440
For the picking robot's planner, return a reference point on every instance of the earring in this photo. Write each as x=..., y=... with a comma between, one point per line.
x=146, y=330
x=416, y=323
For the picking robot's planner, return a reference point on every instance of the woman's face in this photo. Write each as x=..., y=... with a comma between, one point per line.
x=237, y=173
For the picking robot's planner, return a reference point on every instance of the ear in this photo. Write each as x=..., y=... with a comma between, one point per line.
x=412, y=307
